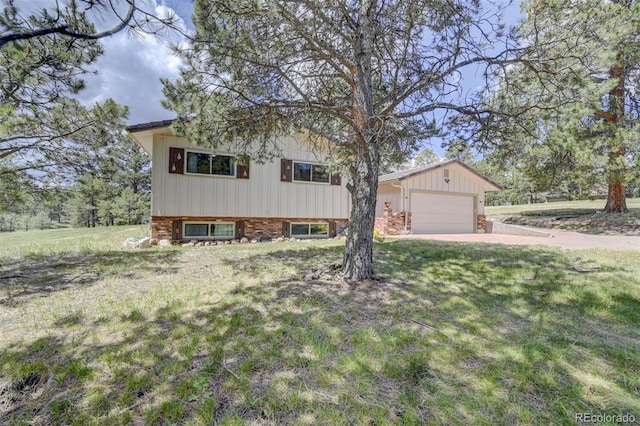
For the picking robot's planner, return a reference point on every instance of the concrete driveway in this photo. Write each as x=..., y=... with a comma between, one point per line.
x=556, y=238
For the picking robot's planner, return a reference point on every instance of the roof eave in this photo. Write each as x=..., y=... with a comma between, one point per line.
x=143, y=133
x=152, y=125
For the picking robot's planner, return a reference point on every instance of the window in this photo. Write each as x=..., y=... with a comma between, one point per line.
x=309, y=229
x=209, y=230
x=305, y=172
x=210, y=164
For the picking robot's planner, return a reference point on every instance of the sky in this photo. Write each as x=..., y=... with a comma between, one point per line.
x=130, y=69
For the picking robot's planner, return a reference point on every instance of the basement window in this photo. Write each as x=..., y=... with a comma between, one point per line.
x=208, y=230
x=309, y=229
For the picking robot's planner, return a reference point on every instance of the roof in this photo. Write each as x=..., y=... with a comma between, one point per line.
x=405, y=174
x=143, y=133
x=149, y=126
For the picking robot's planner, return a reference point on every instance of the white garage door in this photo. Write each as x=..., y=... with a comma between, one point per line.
x=441, y=214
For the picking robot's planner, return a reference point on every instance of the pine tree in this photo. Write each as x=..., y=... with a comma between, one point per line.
x=44, y=54
x=114, y=186
x=361, y=77
x=573, y=99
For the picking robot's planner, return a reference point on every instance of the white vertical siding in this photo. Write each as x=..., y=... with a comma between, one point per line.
x=386, y=192
x=461, y=181
x=480, y=203
x=262, y=195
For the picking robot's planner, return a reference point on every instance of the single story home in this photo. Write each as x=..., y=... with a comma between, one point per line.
x=201, y=194
x=441, y=198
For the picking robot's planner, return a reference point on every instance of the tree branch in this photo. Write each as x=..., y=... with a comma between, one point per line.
x=64, y=30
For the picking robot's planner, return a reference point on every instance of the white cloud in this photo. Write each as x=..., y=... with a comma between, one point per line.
x=130, y=69
x=130, y=72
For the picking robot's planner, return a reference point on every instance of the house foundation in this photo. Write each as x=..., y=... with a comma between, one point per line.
x=170, y=227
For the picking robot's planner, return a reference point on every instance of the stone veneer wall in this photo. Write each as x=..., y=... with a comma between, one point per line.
x=379, y=224
x=393, y=223
x=481, y=221
x=258, y=228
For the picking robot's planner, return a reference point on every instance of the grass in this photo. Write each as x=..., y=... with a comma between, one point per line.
x=449, y=334
x=591, y=205
x=583, y=216
x=37, y=243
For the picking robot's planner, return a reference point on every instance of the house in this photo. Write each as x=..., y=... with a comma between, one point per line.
x=199, y=194
x=440, y=198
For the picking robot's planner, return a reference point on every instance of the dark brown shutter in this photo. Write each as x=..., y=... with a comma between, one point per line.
x=332, y=229
x=176, y=230
x=286, y=167
x=286, y=228
x=176, y=160
x=239, y=229
x=242, y=171
x=336, y=180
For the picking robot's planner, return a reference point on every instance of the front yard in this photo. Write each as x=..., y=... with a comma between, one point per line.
x=268, y=334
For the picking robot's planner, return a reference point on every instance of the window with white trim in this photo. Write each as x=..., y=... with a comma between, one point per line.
x=309, y=229
x=208, y=230
x=307, y=172
x=210, y=164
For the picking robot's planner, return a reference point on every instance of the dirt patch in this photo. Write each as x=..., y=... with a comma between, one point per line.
x=581, y=220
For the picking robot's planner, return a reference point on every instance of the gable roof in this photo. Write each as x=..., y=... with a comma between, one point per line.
x=405, y=174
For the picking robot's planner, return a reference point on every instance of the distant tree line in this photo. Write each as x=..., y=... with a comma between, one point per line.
x=112, y=186
x=574, y=99
x=62, y=162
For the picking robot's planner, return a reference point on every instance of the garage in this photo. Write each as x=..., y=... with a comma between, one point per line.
x=442, y=213
x=440, y=198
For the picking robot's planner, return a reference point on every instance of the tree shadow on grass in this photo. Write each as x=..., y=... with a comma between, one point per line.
x=449, y=333
x=44, y=275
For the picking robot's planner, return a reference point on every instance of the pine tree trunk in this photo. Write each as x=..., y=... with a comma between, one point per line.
x=616, y=197
x=358, y=252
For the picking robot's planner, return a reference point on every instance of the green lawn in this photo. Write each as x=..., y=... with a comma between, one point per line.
x=241, y=334
x=66, y=240
x=590, y=205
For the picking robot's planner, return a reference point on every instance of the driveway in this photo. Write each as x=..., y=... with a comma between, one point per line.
x=556, y=238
